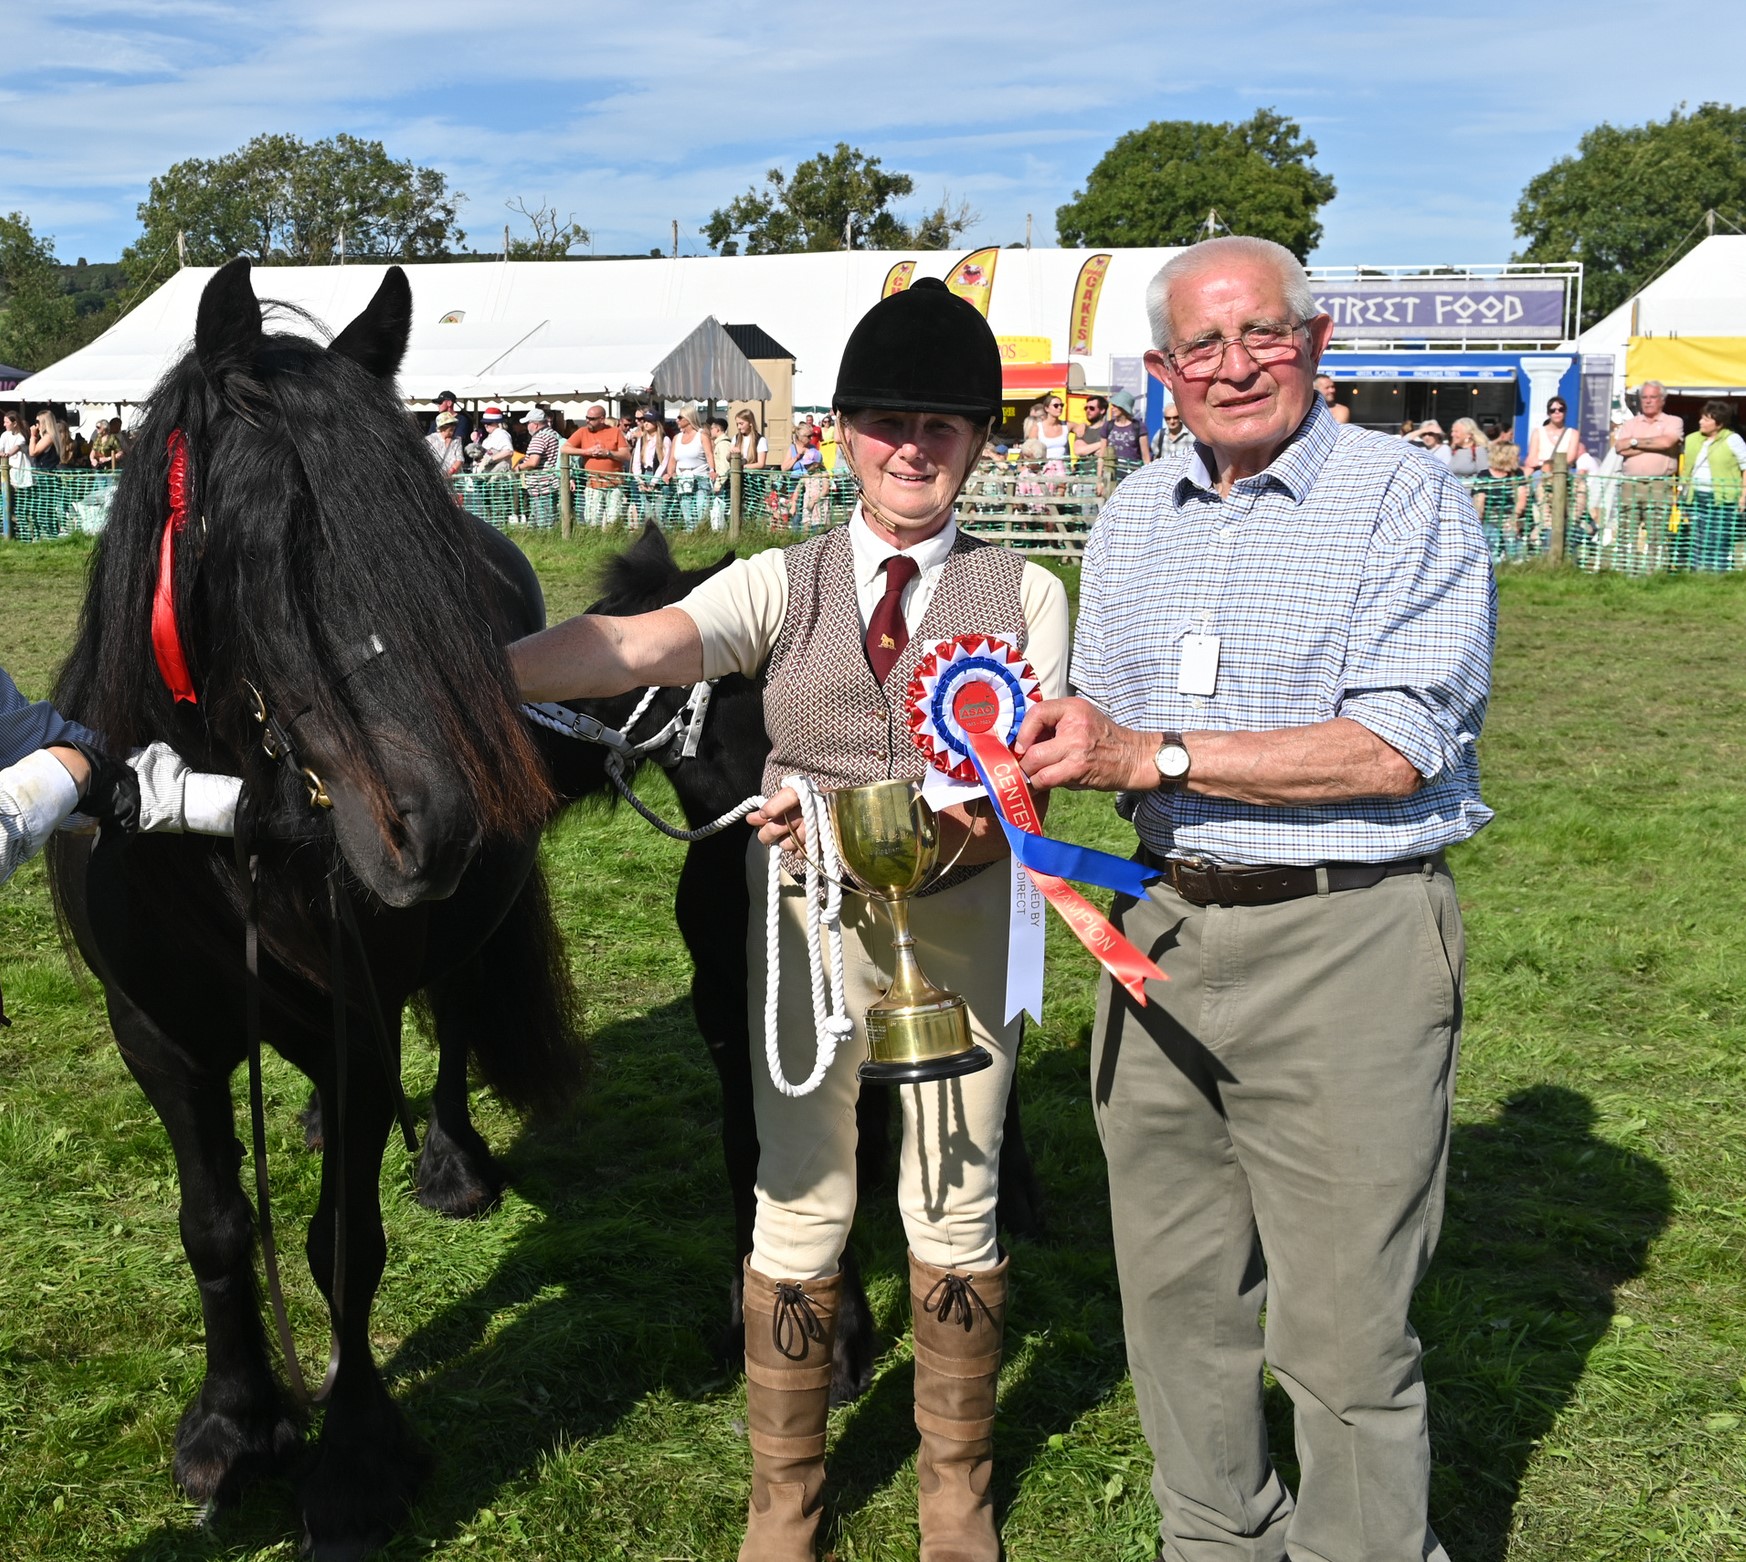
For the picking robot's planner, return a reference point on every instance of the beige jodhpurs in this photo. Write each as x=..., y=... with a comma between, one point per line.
x=948, y=1169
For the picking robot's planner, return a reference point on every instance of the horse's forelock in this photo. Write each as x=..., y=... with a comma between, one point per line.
x=321, y=521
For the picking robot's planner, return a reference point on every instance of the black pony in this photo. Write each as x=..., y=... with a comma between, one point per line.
x=322, y=578
x=712, y=908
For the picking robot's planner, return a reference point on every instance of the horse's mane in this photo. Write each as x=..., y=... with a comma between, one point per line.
x=315, y=518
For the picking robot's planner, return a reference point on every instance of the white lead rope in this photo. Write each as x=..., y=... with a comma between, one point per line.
x=830, y=1017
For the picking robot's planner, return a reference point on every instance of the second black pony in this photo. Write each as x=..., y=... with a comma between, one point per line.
x=323, y=620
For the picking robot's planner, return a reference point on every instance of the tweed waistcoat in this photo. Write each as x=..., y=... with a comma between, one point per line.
x=828, y=718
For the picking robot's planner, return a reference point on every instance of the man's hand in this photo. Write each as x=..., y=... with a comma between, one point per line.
x=778, y=822
x=1072, y=743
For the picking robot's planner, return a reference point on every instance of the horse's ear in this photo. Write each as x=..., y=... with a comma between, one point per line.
x=651, y=546
x=227, y=333
x=720, y=564
x=377, y=338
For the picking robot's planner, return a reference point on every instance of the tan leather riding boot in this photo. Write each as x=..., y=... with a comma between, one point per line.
x=790, y=1327
x=959, y=1321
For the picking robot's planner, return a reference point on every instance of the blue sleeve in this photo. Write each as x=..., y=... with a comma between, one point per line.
x=1418, y=671
x=27, y=725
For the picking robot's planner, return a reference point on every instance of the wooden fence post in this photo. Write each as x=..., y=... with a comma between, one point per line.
x=1558, y=505
x=736, y=494
x=566, y=496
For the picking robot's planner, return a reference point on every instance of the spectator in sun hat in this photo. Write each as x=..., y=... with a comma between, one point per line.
x=445, y=443
x=497, y=449
x=1432, y=435
x=1126, y=439
x=463, y=423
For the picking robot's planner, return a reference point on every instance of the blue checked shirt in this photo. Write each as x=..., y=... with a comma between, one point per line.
x=1348, y=579
x=26, y=725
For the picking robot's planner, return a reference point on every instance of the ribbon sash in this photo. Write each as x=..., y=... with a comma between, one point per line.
x=1006, y=784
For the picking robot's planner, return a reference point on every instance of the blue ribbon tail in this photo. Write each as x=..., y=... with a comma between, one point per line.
x=1061, y=860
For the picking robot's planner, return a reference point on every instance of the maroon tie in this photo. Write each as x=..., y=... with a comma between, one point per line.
x=886, y=635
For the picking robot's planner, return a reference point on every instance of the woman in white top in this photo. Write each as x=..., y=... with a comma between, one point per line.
x=753, y=448
x=1554, y=437
x=690, y=467
x=1053, y=434
x=648, y=459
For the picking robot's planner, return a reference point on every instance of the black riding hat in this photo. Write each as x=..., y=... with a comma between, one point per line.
x=921, y=350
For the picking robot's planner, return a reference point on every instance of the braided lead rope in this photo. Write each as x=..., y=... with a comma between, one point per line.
x=830, y=1030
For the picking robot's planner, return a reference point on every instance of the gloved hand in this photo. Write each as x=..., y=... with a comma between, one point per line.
x=112, y=793
x=175, y=798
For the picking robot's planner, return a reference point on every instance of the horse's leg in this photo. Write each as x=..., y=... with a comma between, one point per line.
x=457, y=1173
x=367, y=1461
x=1021, y=1192
x=241, y=1424
x=506, y=1004
x=710, y=906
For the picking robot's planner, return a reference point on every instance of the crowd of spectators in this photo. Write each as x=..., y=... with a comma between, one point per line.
x=48, y=442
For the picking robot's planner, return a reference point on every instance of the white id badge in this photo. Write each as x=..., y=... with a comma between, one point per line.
x=1200, y=665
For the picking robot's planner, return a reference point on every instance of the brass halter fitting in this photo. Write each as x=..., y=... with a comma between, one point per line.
x=276, y=745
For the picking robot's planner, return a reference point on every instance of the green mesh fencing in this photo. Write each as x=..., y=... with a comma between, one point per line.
x=59, y=503
x=1631, y=525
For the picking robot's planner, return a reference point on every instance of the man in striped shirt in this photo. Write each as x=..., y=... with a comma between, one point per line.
x=1283, y=661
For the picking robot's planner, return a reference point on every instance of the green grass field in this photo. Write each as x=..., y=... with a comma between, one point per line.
x=1584, y=1319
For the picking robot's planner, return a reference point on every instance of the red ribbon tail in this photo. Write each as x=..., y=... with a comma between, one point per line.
x=166, y=638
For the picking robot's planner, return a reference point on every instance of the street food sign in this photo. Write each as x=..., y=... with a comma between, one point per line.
x=1457, y=308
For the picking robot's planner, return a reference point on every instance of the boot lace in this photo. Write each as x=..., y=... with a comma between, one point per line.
x=794, y=1325
x=956, y=1295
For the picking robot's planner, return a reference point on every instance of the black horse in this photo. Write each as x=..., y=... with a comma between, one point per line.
x=712, y=908
x=333, y=594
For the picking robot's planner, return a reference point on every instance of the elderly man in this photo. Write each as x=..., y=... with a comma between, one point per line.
x=1283, y=653
x=1649, y=446
x=1175, y=433
x=605, y=454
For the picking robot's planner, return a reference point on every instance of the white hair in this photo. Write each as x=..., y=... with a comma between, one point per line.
x=1215, y=254
x=1656, y=383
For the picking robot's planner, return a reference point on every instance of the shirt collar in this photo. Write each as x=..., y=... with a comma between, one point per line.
x=1294, y=469
x=871, y=552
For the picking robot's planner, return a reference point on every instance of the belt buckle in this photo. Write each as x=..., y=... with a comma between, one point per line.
x=1202, y=872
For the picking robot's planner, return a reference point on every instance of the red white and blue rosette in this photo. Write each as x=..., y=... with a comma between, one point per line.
x=971, y=683
x=966, y=703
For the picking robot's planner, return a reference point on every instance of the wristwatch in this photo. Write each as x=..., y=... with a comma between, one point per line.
x=1172, y=761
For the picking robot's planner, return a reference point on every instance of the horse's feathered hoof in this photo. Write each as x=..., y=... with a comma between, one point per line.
x=218, y=1455
x=458, y=1176
x=361, y=1484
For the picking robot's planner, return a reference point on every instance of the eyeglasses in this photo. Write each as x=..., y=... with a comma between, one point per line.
x=1557, y=406
x=1201, y=360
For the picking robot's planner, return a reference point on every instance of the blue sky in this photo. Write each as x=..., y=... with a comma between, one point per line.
x=1429, y=124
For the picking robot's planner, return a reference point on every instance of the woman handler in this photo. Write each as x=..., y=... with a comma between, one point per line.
x=836, y=626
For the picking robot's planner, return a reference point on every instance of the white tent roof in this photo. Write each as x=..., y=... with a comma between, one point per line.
x=576, y=328
x=1703, y=293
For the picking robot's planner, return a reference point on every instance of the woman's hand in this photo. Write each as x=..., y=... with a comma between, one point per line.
x=778, y=822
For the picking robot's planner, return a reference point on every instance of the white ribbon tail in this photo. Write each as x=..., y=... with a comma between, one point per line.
x=1025, y=939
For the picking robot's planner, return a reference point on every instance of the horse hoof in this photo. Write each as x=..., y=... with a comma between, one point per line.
x=854, y=1351
x=360, y=1487
x=217, y=1455
x=458, y=1181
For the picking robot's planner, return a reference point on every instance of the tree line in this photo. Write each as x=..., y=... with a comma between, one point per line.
x=1622, y=203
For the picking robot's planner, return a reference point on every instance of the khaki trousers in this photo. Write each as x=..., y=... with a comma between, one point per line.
x=1276, y=1123
x=948, y=1169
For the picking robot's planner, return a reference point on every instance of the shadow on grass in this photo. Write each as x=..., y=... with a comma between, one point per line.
x=1545, y=1221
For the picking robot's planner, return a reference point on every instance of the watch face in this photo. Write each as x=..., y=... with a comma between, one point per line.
x=1172, y=761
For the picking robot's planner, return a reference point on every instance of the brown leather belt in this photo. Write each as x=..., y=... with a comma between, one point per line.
x=1208, y=884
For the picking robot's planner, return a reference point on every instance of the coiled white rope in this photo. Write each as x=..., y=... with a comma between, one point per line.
x=830, y=1018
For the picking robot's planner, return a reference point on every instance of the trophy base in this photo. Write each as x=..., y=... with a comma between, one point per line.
x=921, y=1071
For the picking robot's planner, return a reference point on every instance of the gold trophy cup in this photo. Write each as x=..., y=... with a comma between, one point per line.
x=889, y=839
